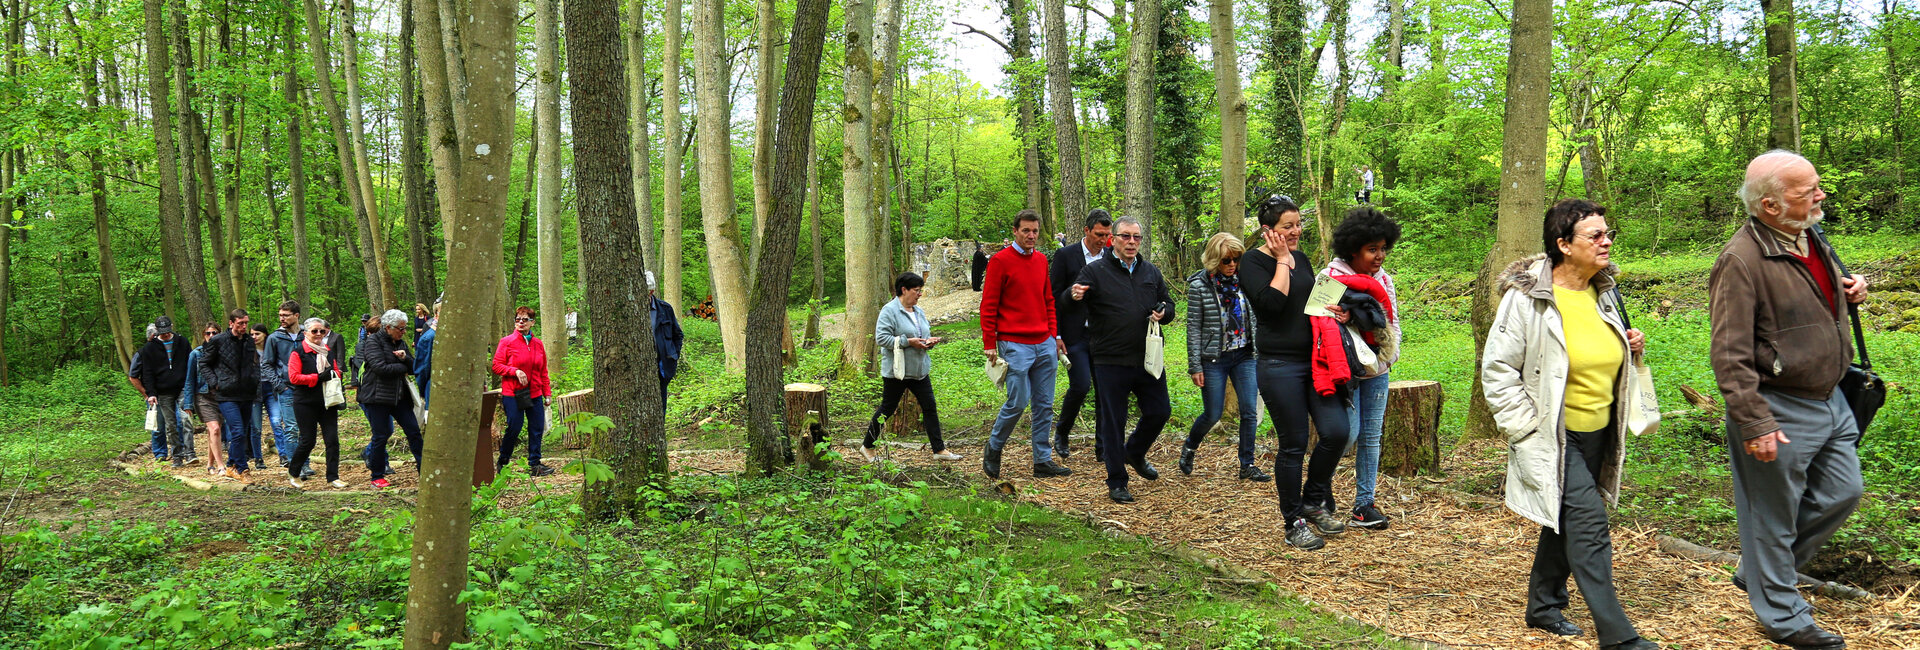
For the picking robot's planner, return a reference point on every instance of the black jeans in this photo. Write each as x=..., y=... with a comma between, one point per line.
x=1583, y=549
x=310, y=416
x=382, y=418
x=1079, y=383
x=1113, y=385
x=1287, y=389
x=890, y=391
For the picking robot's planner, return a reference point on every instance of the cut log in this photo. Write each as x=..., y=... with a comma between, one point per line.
x=806, y=422
x=1410, y=437
x=906, y=418
x=565, y=405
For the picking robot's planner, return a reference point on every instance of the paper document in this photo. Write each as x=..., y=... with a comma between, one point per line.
x=1326, y=293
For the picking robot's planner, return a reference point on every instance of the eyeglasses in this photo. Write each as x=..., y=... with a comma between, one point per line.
x=1135, y=237
x=522, y=319
x=321, y=332
x=1597, y=236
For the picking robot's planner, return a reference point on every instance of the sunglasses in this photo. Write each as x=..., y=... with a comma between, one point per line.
x=1130, y=237
x=522, y=319
x=211, y=333
x=321, y=332
x=1230, y=260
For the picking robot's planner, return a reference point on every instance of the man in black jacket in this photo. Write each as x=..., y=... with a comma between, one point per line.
x=1123, y=293
x=1066, y=265
x=163, y=372
x=231, y=369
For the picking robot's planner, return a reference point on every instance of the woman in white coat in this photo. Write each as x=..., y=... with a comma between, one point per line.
x=1555, y=370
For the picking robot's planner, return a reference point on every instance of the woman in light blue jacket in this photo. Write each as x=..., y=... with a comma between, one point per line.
x=903, y=336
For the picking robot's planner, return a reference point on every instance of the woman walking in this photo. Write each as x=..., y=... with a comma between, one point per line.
x=904, y=336
x=309, y=368
x=521, y=362
x=1554, y=370
x=1360, y=247
x=384, y=394
x=1220, y=327
x=194, y=399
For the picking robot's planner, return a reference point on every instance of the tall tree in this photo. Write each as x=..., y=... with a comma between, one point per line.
x=818, y=303
x=113, y=297
x=637, y=97
x=370, y=199
x=886, y=67
x=626, y=385
x=1523, y=176
x=202, y=201
x=1337, y=114
x=343, y=150
x=1390, y=93
x=856, y=188
x=725, y=254
x=1026, y=91
x=467, y=62
x=766, y=95
x=413, y=176
x=1066, y=133
x=297, y=170
x=173, y=238
x=1140, y=114
x=792, y=145
x=671, y=167
x=1286, y=23
x=1233, y=118
x=1783, y=91
x=546, y=102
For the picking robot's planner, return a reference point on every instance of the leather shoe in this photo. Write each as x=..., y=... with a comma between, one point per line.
x=1120, y=495
x=1145, y=469
x=1740, y=583
x=1636, y=644
x=1050, y=469
x=1812, y=638
x=990, y=463
x=1060, y=448
x=1561, y=627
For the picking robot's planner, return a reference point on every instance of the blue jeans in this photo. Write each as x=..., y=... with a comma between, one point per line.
x=1239, y=366
x=177, y=438
x=286, y=428
x=1364, y=420
x=426, y=396
x=1287, y=388
x=381, y=418
x=536, y=419
x=241, y=431
x=1030, y=375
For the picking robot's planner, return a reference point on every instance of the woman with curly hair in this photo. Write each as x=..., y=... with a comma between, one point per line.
x=1360, y=247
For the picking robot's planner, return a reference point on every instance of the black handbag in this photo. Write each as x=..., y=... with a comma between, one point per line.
x=1863, y=388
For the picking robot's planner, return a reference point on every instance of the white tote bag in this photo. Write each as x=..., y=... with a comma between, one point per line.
x=997, y=372
x=153, y=418
x=1156, y=363
x=332, y=392
x=1643, y=406
x=899, y=358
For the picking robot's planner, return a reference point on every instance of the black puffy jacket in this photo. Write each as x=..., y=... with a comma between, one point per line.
x=384, y=376
x=230, y=368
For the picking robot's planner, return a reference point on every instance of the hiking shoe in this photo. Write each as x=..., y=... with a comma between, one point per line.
x=1368, y=516
x=1050, y=469
x=1186, y=461
x=1325, y=521
x=1120, y=495
x=230, y=474
x=179, y=462
x=1301, y=536
x=296, y=483
x=338, y=484
x=539, y=470
x=1253, y=473
x=379, y=483
x=946, y=455
x=1145, y=470
x=991, y=463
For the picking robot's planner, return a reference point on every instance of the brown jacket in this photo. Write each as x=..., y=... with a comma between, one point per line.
x=1772, y=328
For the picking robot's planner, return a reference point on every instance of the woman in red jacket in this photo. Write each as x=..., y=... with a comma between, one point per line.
x=521, y=363
x=308, y=369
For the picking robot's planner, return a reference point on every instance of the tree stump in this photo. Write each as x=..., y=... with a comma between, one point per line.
x=566, y=405
x=906, y=418
x=1410, y=438
x=806, y=422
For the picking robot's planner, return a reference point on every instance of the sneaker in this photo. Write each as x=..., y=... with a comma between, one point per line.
x=1301, y=536
x=230, y=474
x=1252, y=473
x=1325, y=521
x=1368, y=516
x=539, y=470
x=1186, y=461
x=867, y=452
x=1050, y=469
x=179, y=462
x=379, y=483
x=338, y=484
x=946, y=455
x=296, y=483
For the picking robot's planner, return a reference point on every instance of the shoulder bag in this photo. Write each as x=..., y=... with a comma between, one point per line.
x=1642, y=410
x=1863, y=388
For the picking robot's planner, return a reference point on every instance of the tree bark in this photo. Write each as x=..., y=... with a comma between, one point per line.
x=887, y=39
x=625, y=376
x=1390, y=95
x=856, y=184
x=343, y=150
x=1411, y=439
x=1066, y=134
x=1286, y=21
x=1233, y=118
x=637, y=97
x=1337, y=12
x=413, y=174
x=671, y=166
x=469, y=83
x=232, y=126
x=1523, y=178
x=1140, y=115
x=818, y=303
x=766, y=448
x=766, y=96
x=201, y=197
x=1783, y=91
x=546, y=104
x=377, y=236
x=297, y=173
x=113, y=297
x=193, y=288
x=725, y=254
x=1026, y=99
x=1888, y=18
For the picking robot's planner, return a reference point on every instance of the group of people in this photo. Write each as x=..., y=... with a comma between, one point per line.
x=1556, y=372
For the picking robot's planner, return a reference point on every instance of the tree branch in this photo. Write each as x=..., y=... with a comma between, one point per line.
x=996, y=40
x=1103, y=15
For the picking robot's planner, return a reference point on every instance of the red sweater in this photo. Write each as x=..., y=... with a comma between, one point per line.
x=1016, y=300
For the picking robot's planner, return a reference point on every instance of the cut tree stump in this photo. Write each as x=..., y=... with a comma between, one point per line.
x=906, y=418
x=566, y=405
x=1410, y=439
x=806, y=422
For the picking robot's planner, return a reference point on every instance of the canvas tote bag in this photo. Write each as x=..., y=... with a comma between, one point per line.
x=1156, y=363
x=1642, y=410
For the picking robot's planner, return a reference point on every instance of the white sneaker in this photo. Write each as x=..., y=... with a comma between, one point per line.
x=296, y=484
x=868, y=453
x=339, y=484
x=946, y=455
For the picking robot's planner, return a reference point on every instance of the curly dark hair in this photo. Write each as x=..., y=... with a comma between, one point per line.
x=1560, y=220
x=1363, y=225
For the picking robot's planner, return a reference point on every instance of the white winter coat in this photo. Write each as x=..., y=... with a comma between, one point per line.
x=1524, y=373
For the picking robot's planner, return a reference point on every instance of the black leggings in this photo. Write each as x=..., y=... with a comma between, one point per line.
x=1287, y=388
x=310, y=415
x=890, y=391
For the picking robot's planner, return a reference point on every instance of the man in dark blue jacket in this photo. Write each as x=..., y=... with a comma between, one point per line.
x=1072, y=316
x=1123, y=293
x=667, y=338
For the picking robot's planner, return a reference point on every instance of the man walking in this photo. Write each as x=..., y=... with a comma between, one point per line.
x=230, y=368
x=1018, y=328
x=280, y=345
x=1780, y=347
x=667, y=338
x=1072, y=323
x=1123, y=293
x=163, y=371
x=1365, y=195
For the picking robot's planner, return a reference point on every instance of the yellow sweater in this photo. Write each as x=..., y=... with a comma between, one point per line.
x=1594, y=355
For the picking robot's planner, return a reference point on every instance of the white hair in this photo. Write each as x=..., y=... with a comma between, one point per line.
x=1763, y=181
x=308, y=325
x=393, y=318
x=152, y=331
x=650, y=285
x=1127, y=219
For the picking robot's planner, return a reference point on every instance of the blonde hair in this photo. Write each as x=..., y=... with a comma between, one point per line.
x=1219, y=248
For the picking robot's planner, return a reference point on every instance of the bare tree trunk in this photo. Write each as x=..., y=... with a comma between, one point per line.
x=1066, y=134
x=643, y=141
x=1233, y=118
x=766, y=96
x=1523, y=178
x=725, y=255
x=202, y=198
x=297, y=174
x=1897, y=129
x=1390, y=95
x=818, y=303
x=467, y=65
x=546, y=105
x=370, y=198
x=273, y=205
x=856, y=185
x=1337, y=12
x=1286, y=20
x=1026, y=99
x=1140, y=115
x=514, y=286
x=413, y=174
x=764, y=377
x=343, y=150
x=887, y=39
x=1783, y=91
x=193, y=288
x=671, y=166
x=232, y=127
x=1593, y=171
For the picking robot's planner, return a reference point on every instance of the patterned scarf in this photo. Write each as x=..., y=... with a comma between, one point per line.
x=1229, y=288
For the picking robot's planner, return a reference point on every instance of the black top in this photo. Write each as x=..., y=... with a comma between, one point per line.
x=1117, y=304
x=1283, y=332
x=979, y=268
x=230, y=368
x=385, y=374
x=163, y=366
x=1072, y=316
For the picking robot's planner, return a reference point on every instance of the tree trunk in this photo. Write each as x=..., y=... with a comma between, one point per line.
x=1337, y=11
x=625, y=377
x=113, y=297
x=1233, y=119
x=201, y=197
x=343, y=150
x=546, y=105
x=413, y=174
x=1026, y=99
x=267, y=174
x=818, y=303
x=766, y=95
x=887, y=39
x=297, y=174
x=1389, y=95
x=806, y=423
x=1523, y=178
x=232, y=127
x=376, y=235
x=1593, y=170
x=1783, y=91
x=1888, y=18
x=856, y=173
x=671, y=166
x=642, y=140
x=766, y=449
x=1066, y=134
x=467, y=65
x=724, y=252
x=1140, y=115
x=514, y=287
x=1286, y=20
x=173, y=246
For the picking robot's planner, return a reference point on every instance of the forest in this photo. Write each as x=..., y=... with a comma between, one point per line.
x=767, y=168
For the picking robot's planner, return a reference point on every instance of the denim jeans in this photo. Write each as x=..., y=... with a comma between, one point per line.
x=1079, y=384
x=1116, y=385
x=1364, y=421
x=286, y=426
x=1287, y=388
x=426, y=394
x=381, y=418
x=1239, y=366
x=1030, y=376
x=241, y=429
x=536, y=419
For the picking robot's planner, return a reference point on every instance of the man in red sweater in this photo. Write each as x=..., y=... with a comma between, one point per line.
x=1017, y=327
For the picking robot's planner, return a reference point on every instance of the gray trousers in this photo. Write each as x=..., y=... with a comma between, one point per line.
x=179, y=439
x=1583, y=549
x=1789, y=507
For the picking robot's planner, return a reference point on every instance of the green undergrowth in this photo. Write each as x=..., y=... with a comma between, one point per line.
x=822, y=561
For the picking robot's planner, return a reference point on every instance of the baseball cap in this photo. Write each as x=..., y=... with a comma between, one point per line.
x=163, y=325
